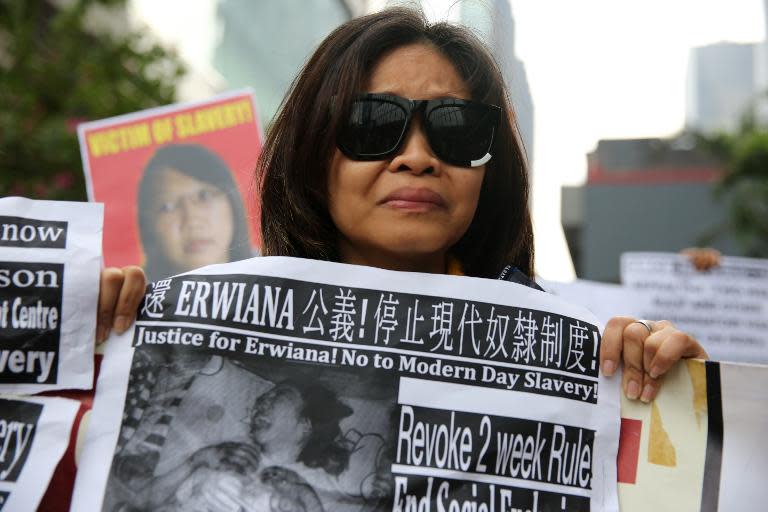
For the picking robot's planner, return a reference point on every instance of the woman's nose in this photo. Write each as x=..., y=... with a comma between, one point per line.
x=190, y=210
x=415, y=154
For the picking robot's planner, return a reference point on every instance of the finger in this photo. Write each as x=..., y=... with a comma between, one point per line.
x=703, y=259
x=634, y=336
x=229, y=490
x=250, y=458
x=130, y=297
x=234, y=493
x=240, y=454
x=219, y=498
x=230, y=484
x=110, y=282
x=652, y=381
x=660, y=330
x=676, y=345
x=251, y=451
x=670, y=345
x=237, y=462
x=612, y=344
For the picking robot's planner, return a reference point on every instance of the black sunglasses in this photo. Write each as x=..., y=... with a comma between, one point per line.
x=460, y=132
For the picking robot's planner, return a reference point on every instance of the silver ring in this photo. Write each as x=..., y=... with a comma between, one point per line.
x=647, y=323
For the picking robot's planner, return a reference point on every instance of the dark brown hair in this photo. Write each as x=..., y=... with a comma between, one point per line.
x=293, y=167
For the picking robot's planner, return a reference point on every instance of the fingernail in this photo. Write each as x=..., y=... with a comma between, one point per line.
x=121, y=324
x=100, y=335
x=104, y=335
x=655, y=372
x=647, y=393
x=608, y=368
x=633, y=390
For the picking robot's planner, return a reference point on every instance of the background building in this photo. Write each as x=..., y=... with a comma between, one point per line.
x=264, y=44
x=253, y=49
x=642, y=195
x=727, y=81
x=495, y=24
x=660, y=194
x=721, y=86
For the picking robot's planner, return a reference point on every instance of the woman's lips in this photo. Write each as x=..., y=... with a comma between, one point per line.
x=414, y=199
x=197, y=245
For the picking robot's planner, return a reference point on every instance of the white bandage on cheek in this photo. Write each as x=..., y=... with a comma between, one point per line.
x=482, y=161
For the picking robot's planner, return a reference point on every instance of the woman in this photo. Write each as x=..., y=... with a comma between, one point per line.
x=296, y=421
x=296, y=453
x=190, y=212
x=357, y=168
x=190, y=215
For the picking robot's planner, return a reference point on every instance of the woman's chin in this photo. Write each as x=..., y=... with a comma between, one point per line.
x=417, y=249
x=203, y=260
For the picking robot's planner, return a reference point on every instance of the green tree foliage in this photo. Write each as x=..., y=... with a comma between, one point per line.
x=745, y=183
x=62, y=63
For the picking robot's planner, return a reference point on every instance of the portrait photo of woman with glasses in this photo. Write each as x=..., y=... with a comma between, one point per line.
x=190, y=212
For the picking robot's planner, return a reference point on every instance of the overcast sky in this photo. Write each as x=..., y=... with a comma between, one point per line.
x=598, y=69
x=601, y=69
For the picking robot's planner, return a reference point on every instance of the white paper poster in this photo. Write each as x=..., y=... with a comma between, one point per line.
x=287, y=384
x=34, y=432
x=50, y=258
x=745, y=427
x=700, y=445
x=725, y=308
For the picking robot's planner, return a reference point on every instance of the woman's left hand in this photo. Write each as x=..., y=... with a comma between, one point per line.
x=647, y=352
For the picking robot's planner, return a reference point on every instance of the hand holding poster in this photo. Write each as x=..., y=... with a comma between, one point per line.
x=49, y=284
x=725, y=308
x=175, y=181
x=322, y=386
x=34, y=433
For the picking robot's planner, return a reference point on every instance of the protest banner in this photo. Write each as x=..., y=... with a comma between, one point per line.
x=49, y=285
x=177, y=182
x=725, y=308
x=33, y=436
x=700, y=446
x=309, y=385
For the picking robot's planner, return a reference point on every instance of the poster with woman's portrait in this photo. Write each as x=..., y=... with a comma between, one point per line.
x=177, y=183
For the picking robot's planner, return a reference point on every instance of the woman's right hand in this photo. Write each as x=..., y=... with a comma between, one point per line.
x=120, y=293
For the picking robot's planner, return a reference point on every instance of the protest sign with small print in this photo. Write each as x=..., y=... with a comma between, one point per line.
x=50, y=254
x=34, y=432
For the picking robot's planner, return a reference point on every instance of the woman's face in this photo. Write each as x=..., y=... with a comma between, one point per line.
x=194, y=222
x=276, y=418
x=405, y=213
